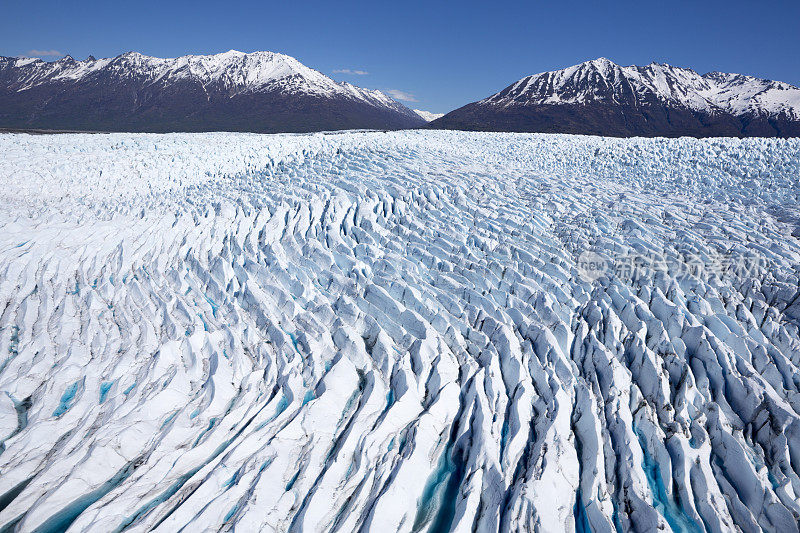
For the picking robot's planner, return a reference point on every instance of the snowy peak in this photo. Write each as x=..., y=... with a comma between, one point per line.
x=603, y=81
x=746, y=94
x=592, y=80
x=428, y=116
x=230, y=69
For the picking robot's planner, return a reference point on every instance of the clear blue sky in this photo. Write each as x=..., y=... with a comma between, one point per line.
x=444, y=54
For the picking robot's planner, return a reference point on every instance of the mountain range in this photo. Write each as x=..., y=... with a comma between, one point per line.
x=232, y=91
x=268, y=92
x=599, y=97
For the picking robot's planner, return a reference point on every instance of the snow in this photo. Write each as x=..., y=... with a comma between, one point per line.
x=602, y=80
x=397, y=331
x=22, y=61
x=427, y=115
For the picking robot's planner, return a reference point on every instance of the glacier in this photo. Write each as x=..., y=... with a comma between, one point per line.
x=397, y=331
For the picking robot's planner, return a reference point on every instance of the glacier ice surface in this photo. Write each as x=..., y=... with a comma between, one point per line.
x=396, y=332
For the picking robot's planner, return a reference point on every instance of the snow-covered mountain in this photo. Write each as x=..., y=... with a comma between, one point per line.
x=259, y=91
x=601, y=97
x=416, y=331
x=427, y=115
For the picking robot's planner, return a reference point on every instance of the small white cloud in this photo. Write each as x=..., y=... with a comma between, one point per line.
x=44, y=53
x=401, y=95
x=350, y=71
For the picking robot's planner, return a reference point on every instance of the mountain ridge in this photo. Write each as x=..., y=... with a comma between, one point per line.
x=602, y=98
x=237, y=91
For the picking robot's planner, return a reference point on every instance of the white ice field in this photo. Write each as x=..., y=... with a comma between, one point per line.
x=410, y=331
